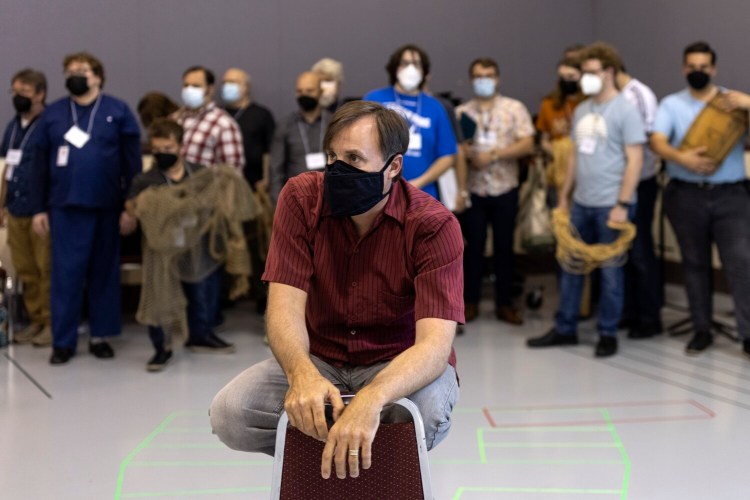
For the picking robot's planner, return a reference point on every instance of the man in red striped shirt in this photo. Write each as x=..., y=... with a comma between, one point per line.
x=366, y=289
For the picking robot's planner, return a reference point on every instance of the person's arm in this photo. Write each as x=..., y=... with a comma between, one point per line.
x=408, y=372
x=40, y=178
x=438, y=168
x=132, y=163
x=462, y=180
x=563, y=199
x=277, y=162
x=445, y=149
x=692, y=159
x=630, y=180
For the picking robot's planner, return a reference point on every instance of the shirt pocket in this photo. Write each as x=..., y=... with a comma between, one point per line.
x=395, y=309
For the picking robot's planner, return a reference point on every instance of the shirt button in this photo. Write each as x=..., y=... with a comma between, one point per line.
x=354, y=283
x=353, y=332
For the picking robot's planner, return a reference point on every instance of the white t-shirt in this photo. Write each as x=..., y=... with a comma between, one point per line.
x=643, y=98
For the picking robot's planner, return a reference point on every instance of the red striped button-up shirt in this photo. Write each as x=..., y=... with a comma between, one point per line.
x=366, y=293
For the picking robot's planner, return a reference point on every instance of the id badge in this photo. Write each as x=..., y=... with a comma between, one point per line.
x=13, y=157
x=315, y=161
x=415, y=141
x=77, y=137
x=9, y=170
x=488, y=138
x=587, y=146
x=62, y=156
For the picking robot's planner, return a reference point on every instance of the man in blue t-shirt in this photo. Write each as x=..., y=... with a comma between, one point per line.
x=705, y=202
x=432, y=143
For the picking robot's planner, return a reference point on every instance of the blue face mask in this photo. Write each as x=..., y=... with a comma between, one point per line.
x=484, y=87
x=351, y=191
x=230, y=92
x=193, y=97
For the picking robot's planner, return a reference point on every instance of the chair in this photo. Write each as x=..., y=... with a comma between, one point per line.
x=400, y=468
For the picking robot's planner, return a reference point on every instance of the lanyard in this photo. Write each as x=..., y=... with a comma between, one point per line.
x=91, y=117
x=303, y=135
x=414, y=126
x=239, y=113
x=25, y=138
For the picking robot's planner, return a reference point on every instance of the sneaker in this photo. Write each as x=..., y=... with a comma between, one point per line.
x=26, y=335
x=159, y=361
x=101, y=350
x=607, y=346
x=699, y=343
x=43, y=338
x=211, y=344
x=60, y=355
x=552, y=338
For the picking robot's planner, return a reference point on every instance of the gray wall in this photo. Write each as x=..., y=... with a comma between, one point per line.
x=146, y=44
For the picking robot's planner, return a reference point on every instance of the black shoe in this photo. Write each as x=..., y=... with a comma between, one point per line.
x=61, y=355
x=699, y=343
x=746, y=348
x=645, y=331
x=552, y=338
x=102, y=350
x=211, y=344
x=607, y=346
x=159, y=361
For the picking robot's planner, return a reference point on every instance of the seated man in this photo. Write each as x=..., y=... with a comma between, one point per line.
x=365, y=276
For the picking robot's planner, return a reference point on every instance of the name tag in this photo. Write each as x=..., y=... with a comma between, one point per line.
x=315, y=161
x=9, y=169
x=587, y=145
x=77, y=137
x=488, y=138
x=13, y=157
x=415, y=141
x=62, y=156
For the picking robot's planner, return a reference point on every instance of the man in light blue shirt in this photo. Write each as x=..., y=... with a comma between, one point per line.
x=608, y=136
x=705, y=202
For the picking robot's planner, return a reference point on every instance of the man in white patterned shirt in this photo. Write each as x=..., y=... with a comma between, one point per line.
x=212, y=136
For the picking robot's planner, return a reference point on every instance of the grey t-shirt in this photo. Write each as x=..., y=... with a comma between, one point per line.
x=601, y=132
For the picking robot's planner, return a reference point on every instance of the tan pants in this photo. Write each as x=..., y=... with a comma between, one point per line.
x=31, y=259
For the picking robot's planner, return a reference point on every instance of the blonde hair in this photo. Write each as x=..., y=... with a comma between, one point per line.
x=329, y=67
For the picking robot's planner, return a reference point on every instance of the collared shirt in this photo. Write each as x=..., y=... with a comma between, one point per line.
x=290, y=146
x=505, y=123
x=212, y=137
x=365, y=294
x=257, y=126
x=674, y=117
x=21, y=183
x=643, y=98
x=96, y=175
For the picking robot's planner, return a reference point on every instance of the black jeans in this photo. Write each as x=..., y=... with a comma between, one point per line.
x=702, y=214
x=500, y=212
x=643, y=281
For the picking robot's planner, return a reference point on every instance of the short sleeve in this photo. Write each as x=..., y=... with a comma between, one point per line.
x=633, y=129
x=524, y=127
x=663, y=123
x=446, y=139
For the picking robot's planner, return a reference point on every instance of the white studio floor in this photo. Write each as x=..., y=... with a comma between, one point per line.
x=650, y=423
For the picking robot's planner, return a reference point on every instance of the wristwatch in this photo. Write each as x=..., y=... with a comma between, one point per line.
x=624, y=204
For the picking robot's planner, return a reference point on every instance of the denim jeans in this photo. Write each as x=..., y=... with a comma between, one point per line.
x=699, y=216
x=245, y=413
x=591, y=224
x=643, y=282
x=201, y=302
x=499, y=212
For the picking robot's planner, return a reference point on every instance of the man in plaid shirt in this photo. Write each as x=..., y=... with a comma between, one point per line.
x=212, y=136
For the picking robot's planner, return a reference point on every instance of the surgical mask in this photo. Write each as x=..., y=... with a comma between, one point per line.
x=328, y=96
x=193, y=97
x=350, y=191
x=21, y=104
x=230, y=92
x=165, y=161
x=591, y=84
x=567, y=87
x=409, y=77
x=484, y=87
x=77, y=85
x=307, y=103
x=698, y=80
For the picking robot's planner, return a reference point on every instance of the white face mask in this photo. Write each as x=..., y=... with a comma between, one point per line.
x=231, y=92
x=193, y=97
x=591, y=84
x=329, y=88
x=409, y=77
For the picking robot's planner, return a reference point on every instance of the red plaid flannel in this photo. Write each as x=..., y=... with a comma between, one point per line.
x=212, y=137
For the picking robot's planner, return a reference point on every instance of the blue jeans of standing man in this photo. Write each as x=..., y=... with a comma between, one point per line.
x=201, y=305
x=591, y=224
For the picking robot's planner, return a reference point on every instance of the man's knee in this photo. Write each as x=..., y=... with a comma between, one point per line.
x=435, y=403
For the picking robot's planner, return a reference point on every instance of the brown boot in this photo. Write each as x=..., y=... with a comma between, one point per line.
x=509, y=314
x=43, y=338
x=26, y=335
x=471, y=311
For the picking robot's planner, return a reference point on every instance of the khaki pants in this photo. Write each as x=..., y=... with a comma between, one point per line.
x=31, y=259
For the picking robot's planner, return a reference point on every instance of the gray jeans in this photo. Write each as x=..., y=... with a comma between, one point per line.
x=245, y=413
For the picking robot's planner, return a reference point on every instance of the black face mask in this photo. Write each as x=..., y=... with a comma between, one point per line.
x=77, y=85
x=698, y=79
x=22, y=104
x=307, y=103
x=567, y=87
x=350, y=191
x=165, y=161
